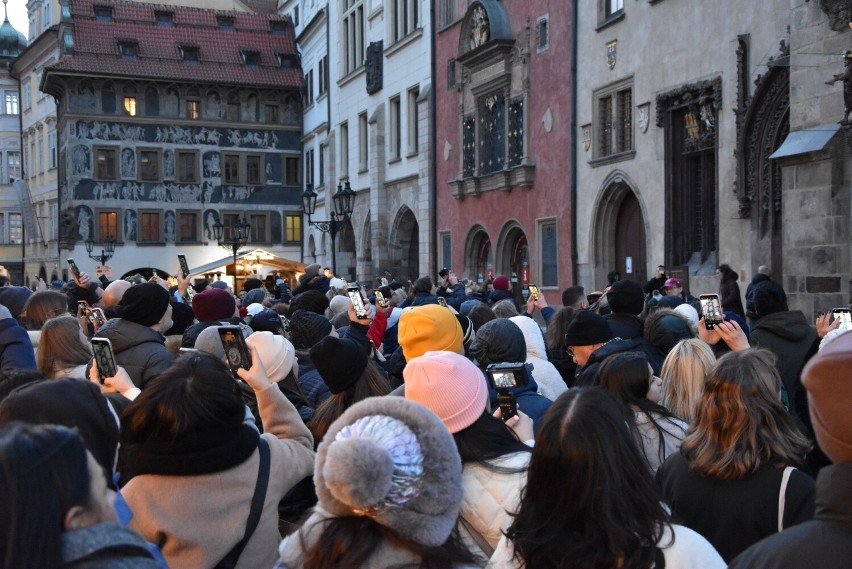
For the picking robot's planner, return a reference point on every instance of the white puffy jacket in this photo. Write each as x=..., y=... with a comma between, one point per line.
x=550, y=383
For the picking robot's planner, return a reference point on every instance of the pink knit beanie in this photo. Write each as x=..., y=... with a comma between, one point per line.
x=449, y=385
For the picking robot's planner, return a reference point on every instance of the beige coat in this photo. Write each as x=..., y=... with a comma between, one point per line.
x=197, y=520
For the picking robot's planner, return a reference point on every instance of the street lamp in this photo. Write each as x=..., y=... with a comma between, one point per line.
x=106, y=253
x=237, y=237
x=343, y=201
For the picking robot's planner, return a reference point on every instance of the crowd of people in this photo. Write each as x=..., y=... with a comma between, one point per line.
x=270, y=427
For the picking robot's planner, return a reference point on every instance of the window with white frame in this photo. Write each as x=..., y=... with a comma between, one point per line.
x=40, y=145
x=446, y=12
x=613, y=7
x=344, y=149
x=412, y=127
x=31, y=158
x=309, y=166
x=405, y=17
x=47, y=14
x=352, y=34
x=614, y=119
x=322, y=76
x=363, y=149
x=259, y=230
x=309, y=88
x=395, y=125
x=13, y=165
x=16, y=228
x=11, y=100
x=52, y=149
x=322, y=161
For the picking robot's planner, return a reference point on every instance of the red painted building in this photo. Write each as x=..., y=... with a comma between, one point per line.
x=503, y=89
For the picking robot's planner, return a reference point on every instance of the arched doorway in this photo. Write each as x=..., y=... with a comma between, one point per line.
x=478, y=259
x=619, y=233
x=514, y=258
x=405, y=246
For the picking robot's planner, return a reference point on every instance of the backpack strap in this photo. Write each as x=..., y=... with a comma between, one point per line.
x=257, y=500
x=782, y=495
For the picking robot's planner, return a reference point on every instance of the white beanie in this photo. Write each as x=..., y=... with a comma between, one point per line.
x=276, y=353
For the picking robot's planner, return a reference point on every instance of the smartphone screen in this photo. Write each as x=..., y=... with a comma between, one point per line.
x=533, y=291
x=72, y=266
x=183, y=266
x=442, y=301
x=86, y=311
x=845, y=317
x=357, y=302
x=102, y=350
x=380, y=299
x=235, y=348
x=712, y=310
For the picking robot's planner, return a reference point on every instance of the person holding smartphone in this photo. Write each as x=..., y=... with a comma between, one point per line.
x=452, y=290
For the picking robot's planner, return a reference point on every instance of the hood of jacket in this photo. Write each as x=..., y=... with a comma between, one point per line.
x=498, y=341
x=532, y=336
x=790, y=325
x=124, y=334
x=759, y=278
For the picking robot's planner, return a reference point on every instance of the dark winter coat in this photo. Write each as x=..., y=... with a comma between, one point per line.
x=16, y=349
x=105, y=545
x=824, y=542
x=496, y=296
x=454, y=295
x=729, y=294
x=655, y=283
x=140, y=350
x=734, y=514
x=588, y=374
x=528, y=399
x=419, y=299
x=624, y=326
x=310, y=381
x=793, y=341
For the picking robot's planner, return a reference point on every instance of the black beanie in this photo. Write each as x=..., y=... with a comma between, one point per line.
x=308, y=328
x=339, y=361
x=310, y=300
x=182, y=318
x=588, y=328
x=627, y=297
x=144, y=304
x=72, y=403
x=252, y=283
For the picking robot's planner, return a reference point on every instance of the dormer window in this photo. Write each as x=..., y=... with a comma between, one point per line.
x=276, y=28
x=164, y=19
x=128, y=49
x=189, y=53
x=103, y=13
x=286, y=61
x=225, y=23
x=251, y=58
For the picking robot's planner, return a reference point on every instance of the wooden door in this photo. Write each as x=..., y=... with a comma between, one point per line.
x=630, y=241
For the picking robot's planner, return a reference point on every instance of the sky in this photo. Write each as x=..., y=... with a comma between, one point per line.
x=17, y=10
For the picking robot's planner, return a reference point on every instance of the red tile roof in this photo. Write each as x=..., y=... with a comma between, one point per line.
x=159, y=55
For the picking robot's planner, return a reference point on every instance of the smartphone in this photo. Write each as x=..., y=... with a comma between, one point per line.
x=711, y=309
x=442, y=301
x=183, y=266
x=86, y=311
x=845, y=317
x=444, y=273
x=72, y=266
x=357, y=302
x=236, y=349
x=104, y=280
x=100, y=317
x=504, y=376
x=381, y=300
x=105, y=358
x=533, y=291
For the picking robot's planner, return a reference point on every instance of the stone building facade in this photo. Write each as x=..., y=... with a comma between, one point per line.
x=172, y=119
x=503, y=85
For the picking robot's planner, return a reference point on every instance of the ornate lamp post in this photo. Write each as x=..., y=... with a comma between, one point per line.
x=236, y=238
x=344, y=200
x=106, y=253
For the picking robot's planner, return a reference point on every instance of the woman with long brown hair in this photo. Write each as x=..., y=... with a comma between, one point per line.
x=733, y=480
x=63, y=349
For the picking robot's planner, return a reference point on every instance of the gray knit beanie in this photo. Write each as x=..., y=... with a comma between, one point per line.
x=392, y=460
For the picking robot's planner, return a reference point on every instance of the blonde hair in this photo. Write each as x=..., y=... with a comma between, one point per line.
x=740, y=423
x=60, y=346
x=685, y=371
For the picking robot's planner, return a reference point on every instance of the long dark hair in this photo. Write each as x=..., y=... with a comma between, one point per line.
x=486, y=439
x=373, y=382
x=626, y=376
x=556, y=329
x=589, y=499
x=43, y=474
x=350, y=541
